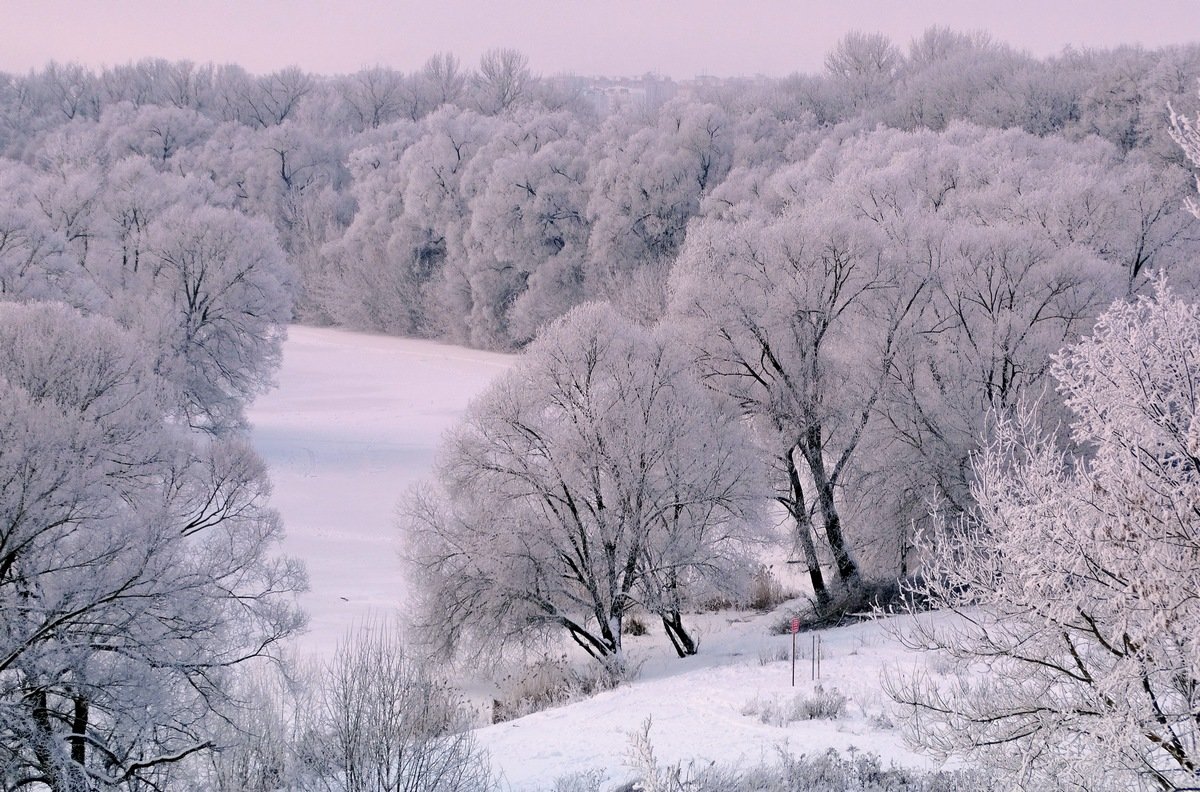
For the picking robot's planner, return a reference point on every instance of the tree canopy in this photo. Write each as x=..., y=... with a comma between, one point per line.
x=595, y=476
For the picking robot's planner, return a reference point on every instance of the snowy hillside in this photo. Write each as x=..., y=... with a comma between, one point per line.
x=727, y=705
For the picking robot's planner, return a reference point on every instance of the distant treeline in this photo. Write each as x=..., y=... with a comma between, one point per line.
x=475, y=204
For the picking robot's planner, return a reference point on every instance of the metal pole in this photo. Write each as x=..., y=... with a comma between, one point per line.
x=793, y=659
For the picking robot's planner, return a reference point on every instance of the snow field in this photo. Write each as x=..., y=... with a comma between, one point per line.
x=355, y=422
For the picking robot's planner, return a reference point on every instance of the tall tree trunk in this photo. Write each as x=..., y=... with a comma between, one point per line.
x=802, y=532
x=43, y=745
x=846, y=566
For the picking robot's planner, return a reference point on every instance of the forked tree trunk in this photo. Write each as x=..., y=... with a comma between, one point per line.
x=802, y=533
x=842, y=556
x=684, y=644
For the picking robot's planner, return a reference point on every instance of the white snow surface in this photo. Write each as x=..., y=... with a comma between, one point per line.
x=704, y=709
x=356, y=420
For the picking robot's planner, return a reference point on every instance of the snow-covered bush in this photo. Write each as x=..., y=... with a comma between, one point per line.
x=384, y=723
x=773, y=654
x=821, y=704
x=580, y=781
x=830, y=771
x=766, y=592
x=855, y=771
x=545, y=683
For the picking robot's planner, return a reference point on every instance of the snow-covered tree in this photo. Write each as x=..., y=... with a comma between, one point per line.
x=370, y=279
x=502, y=80
x=798, y=316
x=153, y=132
x=400, y=267
x=374, y=97
x=1186, y=132
x=646, y=182
x=268, y=99
x=444, y=78
x=595, y=476
x=136, y=561
x=1075, y=657
x=34, y=263
x=863, y=66
x=1009, y=284
x=219, y=297
x=949, y=77
x=527, y=234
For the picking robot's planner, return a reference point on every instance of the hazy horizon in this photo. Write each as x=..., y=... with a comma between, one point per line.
x=619, y=38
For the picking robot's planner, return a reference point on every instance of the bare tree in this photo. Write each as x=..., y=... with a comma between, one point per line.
x=502, y=80
x=443, y=73
x=865, y=67
x=274, y=98
x=374, y=97
x=385, y=724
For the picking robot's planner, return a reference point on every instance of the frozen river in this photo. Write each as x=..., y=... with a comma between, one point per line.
x=355, y=422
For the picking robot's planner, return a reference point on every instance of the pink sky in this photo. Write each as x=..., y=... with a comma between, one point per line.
x=680, y=38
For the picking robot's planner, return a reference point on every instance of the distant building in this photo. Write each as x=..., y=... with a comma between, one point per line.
x=608, y=95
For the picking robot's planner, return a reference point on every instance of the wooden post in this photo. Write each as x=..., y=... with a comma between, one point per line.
x=795, y=629
x=793, y=659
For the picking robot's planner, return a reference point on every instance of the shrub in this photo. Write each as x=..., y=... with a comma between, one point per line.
x=580, y=781
x=832, y=771
x=829, y=771
x=822, y=704
x=385, y=722
x=773, y=654
x=633, y=625
x=766, y=592
x=546, y=683
x=371, y=719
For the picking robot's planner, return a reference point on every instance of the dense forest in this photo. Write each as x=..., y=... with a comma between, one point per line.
x=825, y=295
